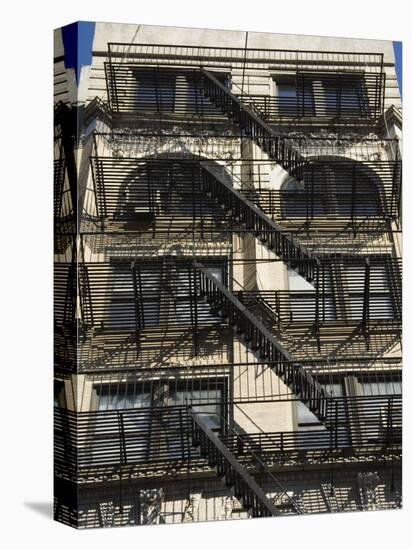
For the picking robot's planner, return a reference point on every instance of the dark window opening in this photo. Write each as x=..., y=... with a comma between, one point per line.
x=155, y=90
x=132, y=307
x=380, y=295
x=335, y=95
x=335, y=188
x=302, y=298
x=287, y=99
x=206, y=396
x=147, y=294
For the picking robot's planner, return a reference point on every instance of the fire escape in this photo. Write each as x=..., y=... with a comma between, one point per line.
x=126, y=226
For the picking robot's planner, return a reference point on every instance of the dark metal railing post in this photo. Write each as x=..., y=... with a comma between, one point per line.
x=317, y=300
x=366, y=304
x=353, y=200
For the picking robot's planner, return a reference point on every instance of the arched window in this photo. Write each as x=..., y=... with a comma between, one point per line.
x=293, y=199
x=335, y=188
x=164, y=186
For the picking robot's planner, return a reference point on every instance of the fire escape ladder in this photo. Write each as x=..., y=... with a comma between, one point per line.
x=235, y=476
x=268, y=232
x=366, y=303
x=85, y=297
x=262, y=342
x=59, y=173
x=253, y=125
x=67, y=118
x=395, y=276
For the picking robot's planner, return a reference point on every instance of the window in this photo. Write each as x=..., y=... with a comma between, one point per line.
x=168, y=91
x=186, y=309
x=294, y=201
x=155, y=90
x=302, y=296
x=336, y=95
x=210, y=414
x=193, y=98
x=140, y=198
x=157, y=188
x=287, y=99
x=294, y=98
x=323, y=94
x=357, y=195
x=153, y=422
x=206, y=396
x=375, y=384
x=307, y=421
x=123, y=396
x=380, y=296
x=130, y=307
x=348, y=98
x=382, y=416
x=138, y=295
x=331, y=188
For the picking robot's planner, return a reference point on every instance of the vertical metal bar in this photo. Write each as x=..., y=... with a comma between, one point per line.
x=366, y=293
x=138, y=296
x=353, y=199
x=317, y=300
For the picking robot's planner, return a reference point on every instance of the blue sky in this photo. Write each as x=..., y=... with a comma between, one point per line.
x=397, y=48
x=78, y=43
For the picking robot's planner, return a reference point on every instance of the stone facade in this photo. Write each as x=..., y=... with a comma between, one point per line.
x=228, y=280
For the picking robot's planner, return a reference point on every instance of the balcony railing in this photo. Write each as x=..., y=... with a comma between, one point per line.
x=89, y=441
x=254, y=58
x=320, y=96
x=165, y=79
x=133, y=304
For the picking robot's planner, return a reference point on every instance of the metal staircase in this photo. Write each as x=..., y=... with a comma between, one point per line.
x=253, y=125
x=261, y=341
x=234, y=475
x=254, y=219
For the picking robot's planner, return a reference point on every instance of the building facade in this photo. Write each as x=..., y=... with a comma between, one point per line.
x=227, y=276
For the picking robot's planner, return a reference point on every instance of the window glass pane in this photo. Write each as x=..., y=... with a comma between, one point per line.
x=193, y=96
x=379, y=278
x=380, y=307
x=122, y=282
x=287, y=98
x=122, y=313
x=294, y=204
x=293, y=185
x=184, y=304
x=368, y=205
x=305, y=95
x=155, y=91
x=335, y=389
x=302, y=298
x=382, y=388
x=116, y=397
x=209, y=413
x=303, y=308
x=330, y=95
x=355, y=307
x=122, y=310
x=286, y=91
x=380, y=298
x=349, y=100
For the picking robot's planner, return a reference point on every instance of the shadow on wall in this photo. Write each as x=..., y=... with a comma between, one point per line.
x=43, y=508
